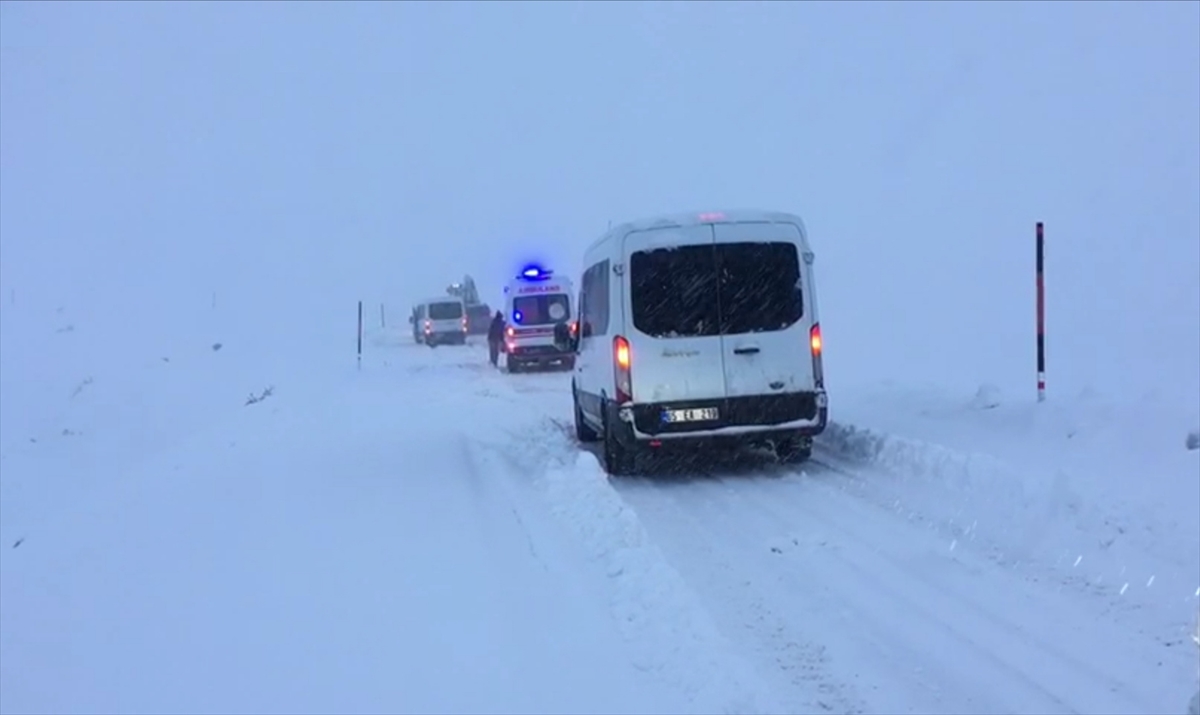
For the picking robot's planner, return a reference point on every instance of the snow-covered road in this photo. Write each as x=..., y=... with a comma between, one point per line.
x=842, y=603
x=877, y=614
x=424, y=535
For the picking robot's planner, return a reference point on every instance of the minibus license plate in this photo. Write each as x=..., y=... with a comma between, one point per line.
x=698, y=414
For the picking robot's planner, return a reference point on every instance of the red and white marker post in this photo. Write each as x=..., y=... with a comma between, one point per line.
x=1041, y=315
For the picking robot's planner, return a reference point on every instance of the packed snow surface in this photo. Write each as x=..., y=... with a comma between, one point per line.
x=201, y=529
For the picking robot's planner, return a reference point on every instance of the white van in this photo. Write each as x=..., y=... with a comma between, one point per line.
x=535, y=302
x=439, y=321
x=698, y=327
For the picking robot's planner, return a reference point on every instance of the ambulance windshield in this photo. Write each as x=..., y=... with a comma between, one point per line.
x=542, y=309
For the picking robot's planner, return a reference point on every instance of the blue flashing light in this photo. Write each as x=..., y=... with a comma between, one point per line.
x=517, y=316
x=534, y=272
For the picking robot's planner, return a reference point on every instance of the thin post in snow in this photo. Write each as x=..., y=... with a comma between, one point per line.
x=382, y=320
x=360, y=335
x=1041, y=315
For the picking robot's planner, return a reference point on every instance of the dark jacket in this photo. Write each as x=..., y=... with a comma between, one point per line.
x=496, y=329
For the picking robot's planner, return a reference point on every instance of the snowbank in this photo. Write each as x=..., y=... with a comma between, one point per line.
x=1098, y=495
x=672, y=634
x=651, y=601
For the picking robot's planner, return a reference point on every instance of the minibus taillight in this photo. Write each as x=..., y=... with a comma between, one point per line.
x=622, y=360
x=816, y=345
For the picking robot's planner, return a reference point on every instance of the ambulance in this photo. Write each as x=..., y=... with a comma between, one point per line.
x=535, y=301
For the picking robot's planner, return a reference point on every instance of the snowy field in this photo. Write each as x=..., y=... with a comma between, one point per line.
x=423, y=535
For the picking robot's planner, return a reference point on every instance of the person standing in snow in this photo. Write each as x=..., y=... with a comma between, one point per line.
x=495, y=338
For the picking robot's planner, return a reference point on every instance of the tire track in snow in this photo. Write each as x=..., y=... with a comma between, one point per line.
x=925, y=482
x=581, y=494
x=1035, y=653
x=493, y=502
x=657, y=613
x=673, y=638
x=1031, y=522
x=869, y=574
x=653, y=604
x=686, y=515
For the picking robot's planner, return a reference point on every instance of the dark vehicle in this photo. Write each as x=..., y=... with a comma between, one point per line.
x=479, y=316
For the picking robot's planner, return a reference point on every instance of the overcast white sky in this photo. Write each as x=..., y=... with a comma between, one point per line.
x=307, y=155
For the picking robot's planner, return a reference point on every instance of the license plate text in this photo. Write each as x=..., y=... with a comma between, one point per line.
x=698, y=414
